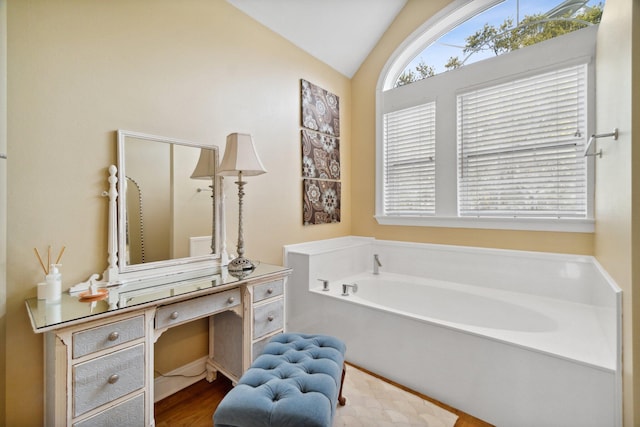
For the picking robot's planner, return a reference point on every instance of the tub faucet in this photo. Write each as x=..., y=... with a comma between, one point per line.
x=325, y=284
x=345, y=289
x=376, y=264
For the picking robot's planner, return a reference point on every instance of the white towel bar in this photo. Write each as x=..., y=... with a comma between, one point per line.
x=598, y=153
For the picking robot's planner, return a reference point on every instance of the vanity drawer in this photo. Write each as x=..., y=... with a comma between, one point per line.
x=107, y=378
x=195, y=308
x=106, y=336
x=267, y=290
x=128, y=413
x=267, y=318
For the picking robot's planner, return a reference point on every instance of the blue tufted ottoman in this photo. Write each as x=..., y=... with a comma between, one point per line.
x=295, y=382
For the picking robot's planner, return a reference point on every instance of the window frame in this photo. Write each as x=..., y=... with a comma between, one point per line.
x=571, y=49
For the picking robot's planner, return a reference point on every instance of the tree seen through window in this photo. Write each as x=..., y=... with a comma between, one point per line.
x=510, y=25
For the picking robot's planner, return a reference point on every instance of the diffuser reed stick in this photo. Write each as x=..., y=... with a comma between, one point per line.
x=60, y=254
x=40, y=260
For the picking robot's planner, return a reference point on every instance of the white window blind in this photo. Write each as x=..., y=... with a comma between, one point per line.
x=409, y=161
x=520, y=147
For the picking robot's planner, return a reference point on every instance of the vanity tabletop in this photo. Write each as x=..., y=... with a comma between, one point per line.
x=135, y=295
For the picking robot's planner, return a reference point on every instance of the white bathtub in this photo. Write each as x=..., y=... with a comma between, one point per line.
x=515, y=338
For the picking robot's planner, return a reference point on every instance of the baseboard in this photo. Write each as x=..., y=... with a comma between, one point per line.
x=167, y=385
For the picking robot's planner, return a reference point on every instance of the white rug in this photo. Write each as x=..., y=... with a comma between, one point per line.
x=374, y=402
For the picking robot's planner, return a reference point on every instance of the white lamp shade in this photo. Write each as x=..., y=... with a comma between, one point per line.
x=240, y=156
x=206, y=167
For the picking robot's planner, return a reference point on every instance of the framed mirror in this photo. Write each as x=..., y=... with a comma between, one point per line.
x=168, y=205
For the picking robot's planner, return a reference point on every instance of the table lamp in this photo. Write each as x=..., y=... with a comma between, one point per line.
x=241, y=159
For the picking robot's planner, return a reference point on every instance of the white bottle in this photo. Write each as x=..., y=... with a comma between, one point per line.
x=54, y=283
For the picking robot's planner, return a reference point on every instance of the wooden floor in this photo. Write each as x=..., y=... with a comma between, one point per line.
x=194, y=406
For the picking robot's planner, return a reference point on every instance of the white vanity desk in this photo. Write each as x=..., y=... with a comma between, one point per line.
x=99, y=355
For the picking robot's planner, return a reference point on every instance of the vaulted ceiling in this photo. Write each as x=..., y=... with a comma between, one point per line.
x=340, y=33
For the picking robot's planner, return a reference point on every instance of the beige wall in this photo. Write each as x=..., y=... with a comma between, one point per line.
x=633, y=324
x=3, y=204
x=194, y=69
x=617, y=242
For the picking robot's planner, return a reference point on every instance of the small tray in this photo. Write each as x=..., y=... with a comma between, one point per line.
x=100, y=294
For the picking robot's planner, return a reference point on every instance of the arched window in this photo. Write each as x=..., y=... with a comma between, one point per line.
x=499, y=140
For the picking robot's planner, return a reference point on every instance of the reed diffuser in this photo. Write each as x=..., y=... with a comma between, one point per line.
x=51, y=290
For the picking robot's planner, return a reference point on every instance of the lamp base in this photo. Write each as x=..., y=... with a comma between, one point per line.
x=240, y=264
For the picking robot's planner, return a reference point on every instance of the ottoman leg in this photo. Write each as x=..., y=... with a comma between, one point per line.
x=341, y=399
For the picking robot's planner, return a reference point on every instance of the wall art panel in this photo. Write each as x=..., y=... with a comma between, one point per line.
x=320, y=155
x=321, y=201
x=320, y=109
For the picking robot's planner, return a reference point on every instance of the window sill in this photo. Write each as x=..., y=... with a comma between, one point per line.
x=569, y=225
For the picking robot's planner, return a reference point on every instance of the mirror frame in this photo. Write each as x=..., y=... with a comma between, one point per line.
x=125, y=272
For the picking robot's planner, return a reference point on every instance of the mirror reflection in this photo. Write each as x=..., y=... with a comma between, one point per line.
x=167, y=201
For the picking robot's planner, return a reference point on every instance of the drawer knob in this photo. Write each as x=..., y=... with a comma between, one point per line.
x=231, y=300
x=270, y=291
x=113, y=379
x=174, y=315
x=114, y=336
x=270, y=318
